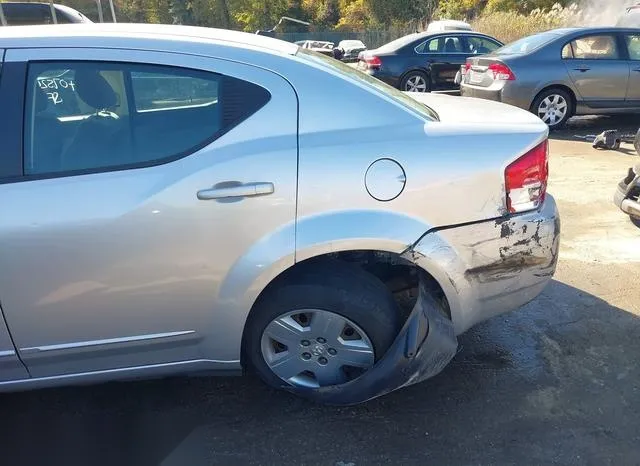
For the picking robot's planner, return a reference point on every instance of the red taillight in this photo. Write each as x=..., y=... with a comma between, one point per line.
x=501, y=72
x=373, y=62
x=467, y=67
x=526, y=179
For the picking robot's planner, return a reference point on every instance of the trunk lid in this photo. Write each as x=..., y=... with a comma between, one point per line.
x=465, y=110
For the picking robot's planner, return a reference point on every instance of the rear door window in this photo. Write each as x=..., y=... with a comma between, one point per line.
x=633, y=46
x=481, y=45
x=596, y=47
x=90, y=116
x=449, y=44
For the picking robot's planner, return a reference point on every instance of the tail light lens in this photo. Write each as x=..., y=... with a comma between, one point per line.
x=526, y=179
x=501, y=72
x=373, y=62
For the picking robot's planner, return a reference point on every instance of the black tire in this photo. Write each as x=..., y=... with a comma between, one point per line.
x=412, y=75
x=335, y=286
x=535, y=107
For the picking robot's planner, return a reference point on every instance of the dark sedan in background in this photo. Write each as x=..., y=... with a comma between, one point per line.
x=561, y=73
x=423, y=62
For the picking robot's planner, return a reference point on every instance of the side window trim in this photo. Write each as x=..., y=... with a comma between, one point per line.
x=13, y=76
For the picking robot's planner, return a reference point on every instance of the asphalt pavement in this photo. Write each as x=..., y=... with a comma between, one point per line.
x=557, y=382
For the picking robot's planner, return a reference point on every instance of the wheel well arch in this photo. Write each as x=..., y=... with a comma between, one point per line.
x=401, y=276
x=563, y=87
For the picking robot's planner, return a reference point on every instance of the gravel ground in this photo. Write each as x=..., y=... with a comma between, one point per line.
x=555, y=382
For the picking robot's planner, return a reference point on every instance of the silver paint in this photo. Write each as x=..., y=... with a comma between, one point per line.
x=151, y=258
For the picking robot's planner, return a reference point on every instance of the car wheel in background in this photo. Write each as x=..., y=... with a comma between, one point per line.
x=554, y=107
x=326, y=324
x=416, y=81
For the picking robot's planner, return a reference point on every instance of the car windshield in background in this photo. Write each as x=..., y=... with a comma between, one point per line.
x=406, y=101
x=527, y=44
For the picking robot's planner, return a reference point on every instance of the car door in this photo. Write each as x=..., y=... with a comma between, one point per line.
x=443, y=56
x=142, y=178
x=632, y=42
x=598, y=69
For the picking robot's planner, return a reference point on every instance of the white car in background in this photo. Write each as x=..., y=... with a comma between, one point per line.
x=448, y=25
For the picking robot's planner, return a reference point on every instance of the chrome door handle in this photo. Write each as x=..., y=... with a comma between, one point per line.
x=243, y=190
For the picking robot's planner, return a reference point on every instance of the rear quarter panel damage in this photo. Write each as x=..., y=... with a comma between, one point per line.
x=492, y=267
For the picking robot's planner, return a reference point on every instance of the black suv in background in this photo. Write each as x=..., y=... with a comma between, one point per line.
x=26, y=13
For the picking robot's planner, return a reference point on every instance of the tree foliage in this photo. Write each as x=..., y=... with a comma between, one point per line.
x=344, y=15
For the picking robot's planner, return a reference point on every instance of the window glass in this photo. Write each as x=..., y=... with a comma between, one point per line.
x=370, y=82
x=567, y=52
x=97, y=116
x=155, y=91
x=595, y=48
x=441, y=45
x=481, y=45
x=633, y=44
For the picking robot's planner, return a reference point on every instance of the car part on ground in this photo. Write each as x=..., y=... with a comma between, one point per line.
x=612, y=139
x=435, y=57
x=561, y=73
x=226, y=132
x=627, y=196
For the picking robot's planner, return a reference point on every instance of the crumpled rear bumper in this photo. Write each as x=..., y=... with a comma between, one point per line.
x=484, y=269
x=422, y=349
x=627, y=196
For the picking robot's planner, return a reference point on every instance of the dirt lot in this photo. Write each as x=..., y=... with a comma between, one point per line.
x=556, y=382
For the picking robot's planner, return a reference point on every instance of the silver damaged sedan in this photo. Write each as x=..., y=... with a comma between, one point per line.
x=182, y=200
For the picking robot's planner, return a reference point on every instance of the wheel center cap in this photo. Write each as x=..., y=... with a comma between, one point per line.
x=318, y=350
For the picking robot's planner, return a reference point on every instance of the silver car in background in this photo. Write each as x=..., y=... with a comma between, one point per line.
x=181, y=200
x=561, y=73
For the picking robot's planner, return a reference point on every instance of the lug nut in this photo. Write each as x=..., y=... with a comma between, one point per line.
x=321, y=340
x=322, y=361
x=305, y=342
x=306, y=356
x=332, y=351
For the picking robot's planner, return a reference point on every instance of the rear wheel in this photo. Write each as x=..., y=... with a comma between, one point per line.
x=554, y=107
x=325, y=325
x=416, y=81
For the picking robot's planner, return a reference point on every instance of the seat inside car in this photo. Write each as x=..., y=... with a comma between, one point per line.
x=450, y=46
x=103, y=138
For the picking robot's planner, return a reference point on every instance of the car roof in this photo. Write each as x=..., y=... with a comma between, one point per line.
x=114, y=34
x=593, y=30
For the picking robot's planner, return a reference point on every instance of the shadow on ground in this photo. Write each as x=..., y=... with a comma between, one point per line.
x=557, y=381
